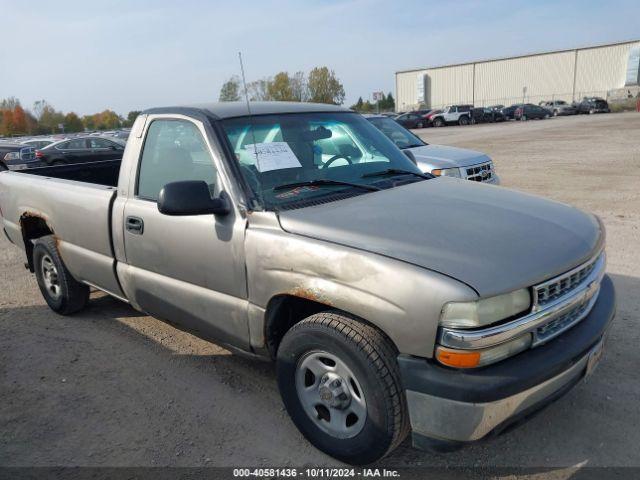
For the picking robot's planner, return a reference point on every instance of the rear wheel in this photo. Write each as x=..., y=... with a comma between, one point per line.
x=419, y=125
x=63, y=293
x=340, y=383
x=463, y=120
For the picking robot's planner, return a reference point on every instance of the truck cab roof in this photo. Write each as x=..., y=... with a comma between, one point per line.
x=221, y=110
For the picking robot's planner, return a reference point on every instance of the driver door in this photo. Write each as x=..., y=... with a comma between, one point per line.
x=188, y=270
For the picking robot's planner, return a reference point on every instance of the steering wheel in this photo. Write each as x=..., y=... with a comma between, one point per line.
x=334, y=158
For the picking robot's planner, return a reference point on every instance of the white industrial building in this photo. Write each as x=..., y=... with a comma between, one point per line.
x=600, y=70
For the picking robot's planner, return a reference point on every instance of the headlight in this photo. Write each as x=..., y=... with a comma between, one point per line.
x=12, y=156
x=486, y=311
x=446, y=172
x=485, y=356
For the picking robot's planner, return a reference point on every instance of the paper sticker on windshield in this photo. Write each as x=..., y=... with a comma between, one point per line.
x=273, y=156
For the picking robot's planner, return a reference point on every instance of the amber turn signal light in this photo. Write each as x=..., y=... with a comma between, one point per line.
x=457, y=358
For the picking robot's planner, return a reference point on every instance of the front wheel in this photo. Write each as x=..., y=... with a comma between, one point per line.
x=63, y=293
x=340, y=383
x=438, y=122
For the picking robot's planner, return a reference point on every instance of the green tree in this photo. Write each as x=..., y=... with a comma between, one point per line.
x=280, y=88
x=390, y=102
x=230, y=91
x=299, y=89
x=324, y=87
x=358, y=105
x=72, y=123
x=49, y=119
x=131, y=117
x=258, y=90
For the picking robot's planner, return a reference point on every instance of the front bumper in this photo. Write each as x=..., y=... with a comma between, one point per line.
x=450, y=407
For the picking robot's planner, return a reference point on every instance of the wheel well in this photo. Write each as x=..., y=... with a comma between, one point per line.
x=32, y=227
x=283, y=312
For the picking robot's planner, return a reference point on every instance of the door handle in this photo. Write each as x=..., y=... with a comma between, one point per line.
x=134, y=225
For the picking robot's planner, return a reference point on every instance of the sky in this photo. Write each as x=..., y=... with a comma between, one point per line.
x=87, y=56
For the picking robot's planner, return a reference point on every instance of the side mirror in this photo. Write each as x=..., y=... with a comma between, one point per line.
x=409, y=154
x=191, y=197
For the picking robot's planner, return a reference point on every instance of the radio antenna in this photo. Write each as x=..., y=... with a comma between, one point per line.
x=246, y=97
x=251, y=125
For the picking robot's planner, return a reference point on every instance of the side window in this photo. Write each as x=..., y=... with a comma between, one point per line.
x=174, y=150
x=99, y=143
x=77, y=144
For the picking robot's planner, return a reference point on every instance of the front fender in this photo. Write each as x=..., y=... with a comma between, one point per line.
x=401, y=299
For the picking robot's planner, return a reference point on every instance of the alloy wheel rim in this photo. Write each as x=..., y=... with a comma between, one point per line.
x=330, y=394
x=50, y=277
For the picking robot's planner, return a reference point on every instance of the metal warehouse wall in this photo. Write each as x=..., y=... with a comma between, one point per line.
x=565, y=75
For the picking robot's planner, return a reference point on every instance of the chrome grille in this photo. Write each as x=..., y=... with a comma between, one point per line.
x=480, y=173
x=559, y=286
x=561, y=323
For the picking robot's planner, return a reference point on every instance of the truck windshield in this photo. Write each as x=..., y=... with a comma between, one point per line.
x=296, y=158
x=399, y=135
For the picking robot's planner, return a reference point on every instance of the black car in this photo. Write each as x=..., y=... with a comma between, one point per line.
x=15, y=156
x=486, y=115
x=530, y=111
x=81, y=150
x=415, y=119
x=592, y=105
x=509, y=112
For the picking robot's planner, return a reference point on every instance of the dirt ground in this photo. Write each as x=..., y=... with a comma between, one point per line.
x=112, y=387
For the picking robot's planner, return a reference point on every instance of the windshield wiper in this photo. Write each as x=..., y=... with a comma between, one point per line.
x=396, y=171
x=325, y=181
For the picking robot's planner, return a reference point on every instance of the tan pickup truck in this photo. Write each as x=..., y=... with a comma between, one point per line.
x=391, y=301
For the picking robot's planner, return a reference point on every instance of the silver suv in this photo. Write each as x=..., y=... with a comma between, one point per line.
x=439, y=160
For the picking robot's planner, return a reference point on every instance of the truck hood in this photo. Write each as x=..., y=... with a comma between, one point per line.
x=493, y=239
x=441, y=156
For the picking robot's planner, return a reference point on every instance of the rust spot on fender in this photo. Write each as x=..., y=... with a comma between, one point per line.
x=309, y=294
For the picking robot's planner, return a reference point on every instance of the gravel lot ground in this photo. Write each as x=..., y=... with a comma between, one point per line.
x=112, y=387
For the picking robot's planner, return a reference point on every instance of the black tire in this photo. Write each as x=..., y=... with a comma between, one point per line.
x=57, y=163
x=3, y=167
x=69, y=295
x=463, y=120
x=419, y=125
x=372, y=359
x=555, y=113
x=438, y=122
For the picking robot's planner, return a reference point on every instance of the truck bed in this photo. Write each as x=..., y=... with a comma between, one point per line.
x=74, y=203
x=99, y=173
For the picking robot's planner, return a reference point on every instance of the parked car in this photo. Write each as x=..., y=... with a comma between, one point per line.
x=529, y=111
x=486, y=115
x=559, y=107
x=453, y=115
x=39, y=142
x=16, y=156
x=593, y=105
x=509, y=112
x=390, y=300
x=415, y=119
x=439, y=160
x=81, y=150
